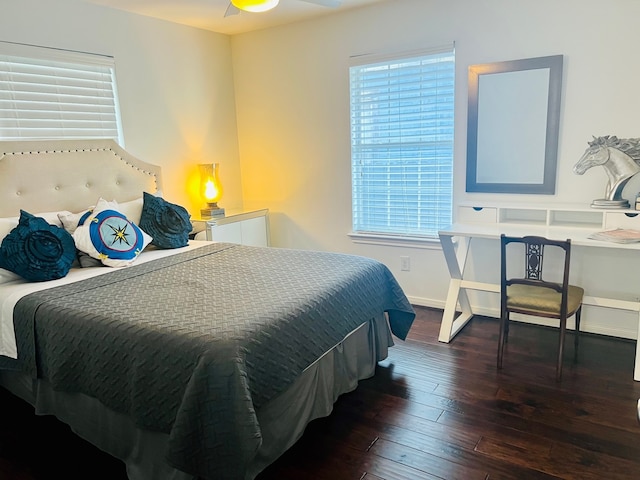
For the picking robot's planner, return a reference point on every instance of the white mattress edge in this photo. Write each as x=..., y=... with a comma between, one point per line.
x=11, y=292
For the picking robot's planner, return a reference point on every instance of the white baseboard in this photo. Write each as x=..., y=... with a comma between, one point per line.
x=604, y=325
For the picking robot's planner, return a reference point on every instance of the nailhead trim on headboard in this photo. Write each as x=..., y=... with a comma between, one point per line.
x=81, y=150
x=72, y=182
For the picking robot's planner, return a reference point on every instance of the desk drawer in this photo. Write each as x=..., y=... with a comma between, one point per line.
x=622, y=220
x=477, y=215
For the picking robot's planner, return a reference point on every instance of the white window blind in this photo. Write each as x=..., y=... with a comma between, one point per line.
x=402, y=112
x=52, y=94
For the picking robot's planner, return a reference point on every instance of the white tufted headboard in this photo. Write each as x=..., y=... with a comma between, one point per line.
x=53, y=175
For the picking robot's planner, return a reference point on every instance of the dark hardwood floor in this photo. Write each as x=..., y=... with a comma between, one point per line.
x=433, y=411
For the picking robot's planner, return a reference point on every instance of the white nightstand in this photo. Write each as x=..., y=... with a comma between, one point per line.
x=243, y=227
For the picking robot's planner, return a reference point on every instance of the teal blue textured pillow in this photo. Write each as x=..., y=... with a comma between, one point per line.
x=36, y=250
x=169, y=224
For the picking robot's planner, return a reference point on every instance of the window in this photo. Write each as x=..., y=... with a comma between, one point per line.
x=52, y=94
x=402, y=143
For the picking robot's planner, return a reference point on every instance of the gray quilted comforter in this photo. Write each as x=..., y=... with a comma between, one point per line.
x=192, y=344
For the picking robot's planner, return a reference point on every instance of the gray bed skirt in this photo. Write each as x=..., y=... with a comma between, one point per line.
x=282, y=420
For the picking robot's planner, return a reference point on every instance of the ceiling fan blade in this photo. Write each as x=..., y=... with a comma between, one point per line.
x=326, y=3
x=231, y=10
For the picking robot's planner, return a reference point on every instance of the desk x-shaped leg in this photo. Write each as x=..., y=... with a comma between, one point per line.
x=451, y=325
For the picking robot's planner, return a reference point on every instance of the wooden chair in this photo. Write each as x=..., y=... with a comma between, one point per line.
x=531, y=295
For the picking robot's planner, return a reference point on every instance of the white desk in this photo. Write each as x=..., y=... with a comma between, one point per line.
x=458, y=286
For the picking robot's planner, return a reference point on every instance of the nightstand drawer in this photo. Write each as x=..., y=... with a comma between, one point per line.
x=245, y=228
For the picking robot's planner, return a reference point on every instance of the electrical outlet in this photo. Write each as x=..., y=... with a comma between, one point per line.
x=405, y=264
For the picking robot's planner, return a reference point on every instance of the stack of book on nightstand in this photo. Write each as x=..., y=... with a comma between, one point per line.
x=618, y=235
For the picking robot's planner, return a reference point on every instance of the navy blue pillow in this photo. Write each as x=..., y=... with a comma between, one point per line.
x=169, y=224
x=37, y=250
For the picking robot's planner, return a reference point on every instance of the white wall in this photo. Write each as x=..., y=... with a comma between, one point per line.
x=175, y=85
x=293, y=118
x=180, y=87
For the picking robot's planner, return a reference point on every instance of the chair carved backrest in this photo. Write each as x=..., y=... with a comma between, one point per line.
x=534, y=256
x=533, y=260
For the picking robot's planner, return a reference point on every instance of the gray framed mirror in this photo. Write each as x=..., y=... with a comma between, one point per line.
x=513, y=125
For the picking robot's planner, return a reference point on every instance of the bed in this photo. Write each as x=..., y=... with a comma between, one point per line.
x=202, y=361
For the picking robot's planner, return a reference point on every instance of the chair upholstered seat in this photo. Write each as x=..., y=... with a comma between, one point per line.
x=542, y=300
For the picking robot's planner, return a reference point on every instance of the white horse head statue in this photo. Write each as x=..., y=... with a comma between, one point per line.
x=620, y=158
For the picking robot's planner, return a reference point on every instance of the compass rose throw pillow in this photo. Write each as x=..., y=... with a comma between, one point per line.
x=110, y=237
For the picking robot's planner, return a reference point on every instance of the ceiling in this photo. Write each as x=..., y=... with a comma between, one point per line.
x=210, y=14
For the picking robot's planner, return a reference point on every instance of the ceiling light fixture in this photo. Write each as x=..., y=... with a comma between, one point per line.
x=255, y=5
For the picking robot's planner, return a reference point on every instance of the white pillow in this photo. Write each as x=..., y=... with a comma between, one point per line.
x=6, y=225
x=132, y=210
x=7, y=276
x=70, y=221
x=109, y=236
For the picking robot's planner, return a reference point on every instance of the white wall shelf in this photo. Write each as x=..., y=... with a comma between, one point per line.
x=566, y=216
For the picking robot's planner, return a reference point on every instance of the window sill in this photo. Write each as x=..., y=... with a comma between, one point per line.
x=430, y=243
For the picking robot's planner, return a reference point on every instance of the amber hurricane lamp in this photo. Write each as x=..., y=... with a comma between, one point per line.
x=210, y=190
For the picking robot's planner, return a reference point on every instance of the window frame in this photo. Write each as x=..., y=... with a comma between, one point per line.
x=361, y=231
